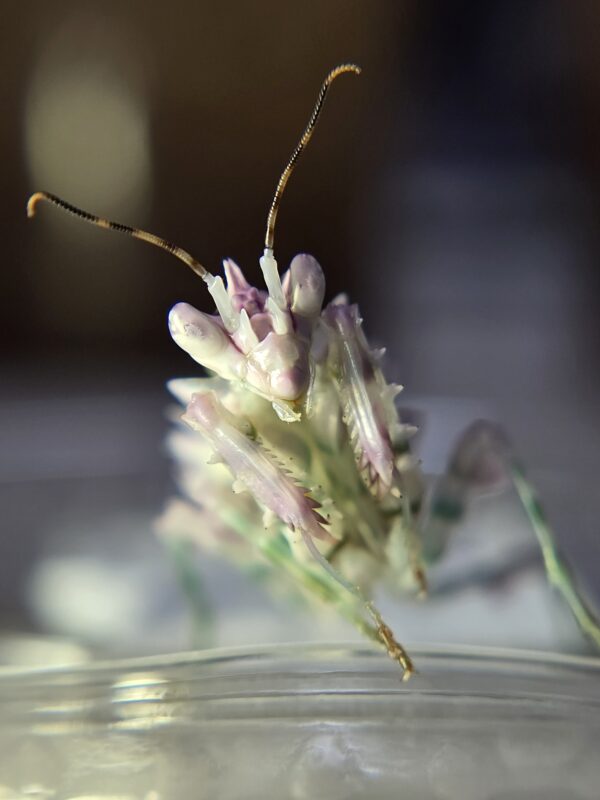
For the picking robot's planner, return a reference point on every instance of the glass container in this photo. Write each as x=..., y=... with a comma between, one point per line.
x=304, y=722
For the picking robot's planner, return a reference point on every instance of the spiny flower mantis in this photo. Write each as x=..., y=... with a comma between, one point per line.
x=293, y=447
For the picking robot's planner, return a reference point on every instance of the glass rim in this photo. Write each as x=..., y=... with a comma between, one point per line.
x=476, y=656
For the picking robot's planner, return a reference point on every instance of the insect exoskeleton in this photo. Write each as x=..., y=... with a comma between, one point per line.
x=259, y=340
x=299, y=412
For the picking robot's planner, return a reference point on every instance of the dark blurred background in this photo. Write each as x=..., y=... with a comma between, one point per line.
x=452, y=189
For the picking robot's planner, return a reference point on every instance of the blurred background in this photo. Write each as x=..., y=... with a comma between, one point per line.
x=452, y=189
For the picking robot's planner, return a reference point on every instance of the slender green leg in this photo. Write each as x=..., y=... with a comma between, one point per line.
x=558, y=571
x=326, y=583
x=483, y=460
x=182, y=552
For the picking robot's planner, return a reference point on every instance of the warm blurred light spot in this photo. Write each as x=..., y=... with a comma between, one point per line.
x=87, y=132
x=87, y=139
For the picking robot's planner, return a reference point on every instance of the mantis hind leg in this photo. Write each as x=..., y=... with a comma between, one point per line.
x=483, y=461
x=560, y=574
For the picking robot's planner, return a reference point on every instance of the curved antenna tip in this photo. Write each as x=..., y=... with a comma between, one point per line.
x=304, y=140
x=33, y=201
x=136, y=233
x=344, y=68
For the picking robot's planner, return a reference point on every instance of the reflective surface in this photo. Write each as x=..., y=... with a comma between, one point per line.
x=304, y=723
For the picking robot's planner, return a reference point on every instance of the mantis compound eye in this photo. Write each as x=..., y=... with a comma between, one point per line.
x=205, y=340
x=196, y=332
x=304, y=286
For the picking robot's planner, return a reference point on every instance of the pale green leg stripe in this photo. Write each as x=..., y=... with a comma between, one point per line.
x=181, y=552
x=557, y=570
x=324, y=586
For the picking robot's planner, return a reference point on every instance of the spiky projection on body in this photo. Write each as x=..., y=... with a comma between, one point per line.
x=292, y=449
x=299, y=412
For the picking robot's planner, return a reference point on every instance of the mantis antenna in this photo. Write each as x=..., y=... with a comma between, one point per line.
x=267, y=261
x=100, y=222
x=215, y=284
x=304, y=140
